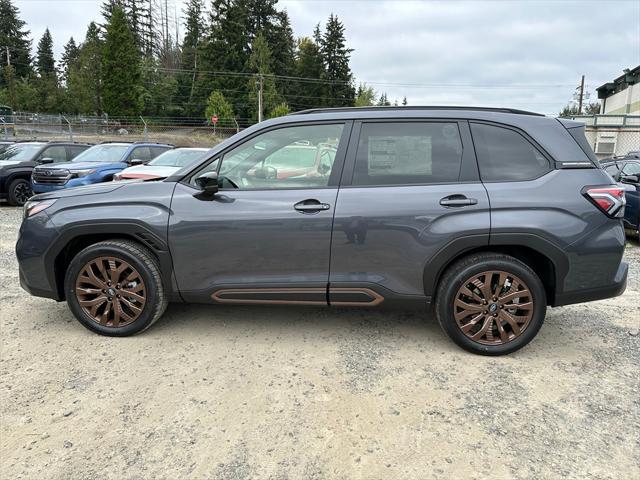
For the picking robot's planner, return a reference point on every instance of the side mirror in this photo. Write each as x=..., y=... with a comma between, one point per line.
x=45, y=160
x=136, y=161
x=208, y=183
x=629, y=178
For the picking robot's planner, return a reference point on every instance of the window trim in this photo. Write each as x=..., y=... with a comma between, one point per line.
x=334, y=177
x=550, y=160
x=468, y=166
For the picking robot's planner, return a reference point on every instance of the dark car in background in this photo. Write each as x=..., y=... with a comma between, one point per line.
x=626, y=170
x=18, y=160
x=97, y=164
x=490, y=215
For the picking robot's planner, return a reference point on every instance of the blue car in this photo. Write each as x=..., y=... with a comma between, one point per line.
x=95, y=165
x=626, y=170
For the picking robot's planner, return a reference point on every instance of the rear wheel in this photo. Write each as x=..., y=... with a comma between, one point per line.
x=114, y=288
x=19, y=192
x=491, y=304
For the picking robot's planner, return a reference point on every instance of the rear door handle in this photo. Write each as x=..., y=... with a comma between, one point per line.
x=311, y=206
x=457, y=201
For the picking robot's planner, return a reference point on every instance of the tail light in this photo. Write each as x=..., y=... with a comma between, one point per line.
x=609, y=199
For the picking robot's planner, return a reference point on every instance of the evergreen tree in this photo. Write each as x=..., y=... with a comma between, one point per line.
x=279, y=110
x=16, y=38
x=225, y=48
x=283, y=49
x=383, y=101
x=69, y=59
x=122, y=81
x=84, y=87
x=218, y=106
x=45, y=63
x=365, y=96
x=260, y=62
x=194, y=31
x=336, y=59
x=309, y=64
x=47, y=81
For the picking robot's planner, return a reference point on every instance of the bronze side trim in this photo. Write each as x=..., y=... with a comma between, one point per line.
x=377, y=299
x=231, y=291
x=219, y=295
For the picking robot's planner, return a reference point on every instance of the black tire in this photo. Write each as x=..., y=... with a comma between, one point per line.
x=453, y=280
x=19, y=192
x=138, y=257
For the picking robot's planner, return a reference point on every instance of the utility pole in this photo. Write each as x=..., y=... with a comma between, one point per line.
x=581, y=96
x=260, y=90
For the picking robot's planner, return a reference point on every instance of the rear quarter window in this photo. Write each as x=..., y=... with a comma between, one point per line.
x=506, y=155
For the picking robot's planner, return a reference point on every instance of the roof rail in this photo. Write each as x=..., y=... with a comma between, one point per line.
x=114, y=141
x=433, y=107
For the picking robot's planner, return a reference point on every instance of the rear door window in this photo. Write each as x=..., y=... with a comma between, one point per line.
x=75, y=150
x=506, y=155
x=141, y=153
x=58, y=153
x=405, y=153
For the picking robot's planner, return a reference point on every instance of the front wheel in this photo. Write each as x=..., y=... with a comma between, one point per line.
x=114, y=288
x=491, y=304
x=19, y=192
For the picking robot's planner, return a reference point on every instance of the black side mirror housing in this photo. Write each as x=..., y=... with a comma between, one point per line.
x=208, y=183
x=45, y=160
x=629, y=179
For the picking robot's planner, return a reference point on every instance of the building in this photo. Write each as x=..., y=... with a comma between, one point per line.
x=621, y=96
x=616, y=130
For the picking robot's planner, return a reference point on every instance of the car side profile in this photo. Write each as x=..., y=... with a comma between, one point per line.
x=95, y=165
x=488, y=215
x=18, y=160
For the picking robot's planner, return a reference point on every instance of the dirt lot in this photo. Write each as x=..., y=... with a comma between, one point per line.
x=249, y=392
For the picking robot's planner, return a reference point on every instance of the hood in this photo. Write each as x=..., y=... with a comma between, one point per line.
x=148, y=171
x=78, y=191
x=76, y=165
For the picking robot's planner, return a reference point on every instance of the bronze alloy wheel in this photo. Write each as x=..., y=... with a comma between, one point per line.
x=493, y=308
x=110, y=291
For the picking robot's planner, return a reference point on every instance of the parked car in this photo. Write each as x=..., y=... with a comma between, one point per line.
x=97, y=164
x=490, y=215
x=164, y=165
x=17, y=162
x=626, y=170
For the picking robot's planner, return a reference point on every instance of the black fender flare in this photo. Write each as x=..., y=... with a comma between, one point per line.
x=130, y=229
x=458, y=247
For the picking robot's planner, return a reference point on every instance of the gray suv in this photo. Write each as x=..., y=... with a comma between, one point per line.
x=489, y=215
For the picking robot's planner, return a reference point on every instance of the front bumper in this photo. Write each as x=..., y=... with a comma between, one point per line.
x=36, y=269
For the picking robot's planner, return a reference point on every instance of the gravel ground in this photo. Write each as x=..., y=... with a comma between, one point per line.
x=215, y=392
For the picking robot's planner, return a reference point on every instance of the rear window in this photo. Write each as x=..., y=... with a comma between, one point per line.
x=405, y=153
x=506, y=155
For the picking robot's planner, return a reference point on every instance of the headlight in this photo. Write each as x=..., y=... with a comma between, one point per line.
x=34, y=206
x=82, y=173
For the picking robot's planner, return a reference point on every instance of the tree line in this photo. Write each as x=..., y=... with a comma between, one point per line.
x=134, y=63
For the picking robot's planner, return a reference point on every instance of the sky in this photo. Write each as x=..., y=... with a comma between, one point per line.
x=527, y=54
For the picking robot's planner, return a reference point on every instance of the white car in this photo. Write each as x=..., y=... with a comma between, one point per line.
x=163, y=165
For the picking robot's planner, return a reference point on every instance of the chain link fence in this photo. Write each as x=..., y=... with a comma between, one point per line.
x=187, y=132
x=612, y=135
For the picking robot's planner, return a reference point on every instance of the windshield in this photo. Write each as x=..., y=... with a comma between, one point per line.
x=102, y=153
x=177, y=158
x=20, y=152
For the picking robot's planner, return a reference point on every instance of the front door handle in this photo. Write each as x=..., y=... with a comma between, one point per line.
x=311, y=206
x=457, y=201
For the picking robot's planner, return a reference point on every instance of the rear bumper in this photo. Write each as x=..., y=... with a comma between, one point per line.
x=617, y=287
